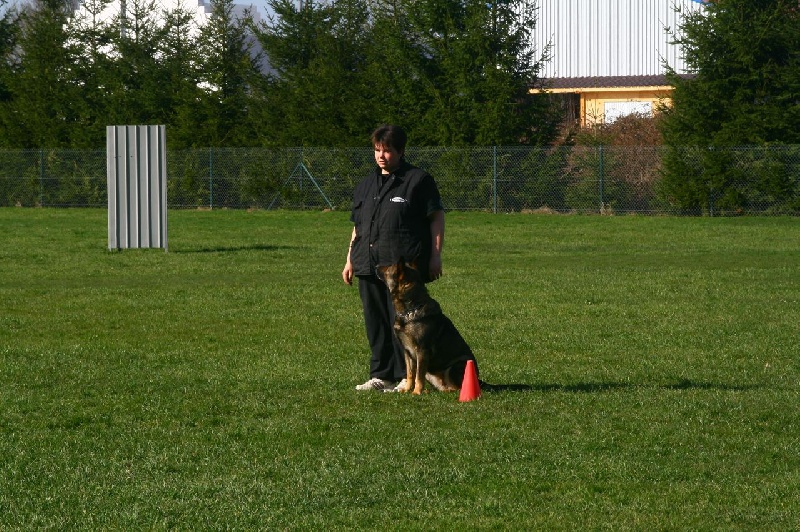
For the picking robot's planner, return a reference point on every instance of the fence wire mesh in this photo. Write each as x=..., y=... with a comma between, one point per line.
x=595, y=179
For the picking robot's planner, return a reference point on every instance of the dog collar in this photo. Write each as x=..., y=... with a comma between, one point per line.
x=411, y=314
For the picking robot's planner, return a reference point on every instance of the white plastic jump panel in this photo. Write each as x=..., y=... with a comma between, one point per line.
x=137, y=187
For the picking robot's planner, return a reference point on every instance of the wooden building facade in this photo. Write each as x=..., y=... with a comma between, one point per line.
x=608, y=56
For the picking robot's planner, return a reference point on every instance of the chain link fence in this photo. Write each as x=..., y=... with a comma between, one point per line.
x=600, y=179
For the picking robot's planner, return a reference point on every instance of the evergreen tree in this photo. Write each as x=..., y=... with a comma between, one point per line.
x=745, y=90
x=96, y=72
x=229, y=67
x=180, y=75
x=138, y=94
x=8, y=36
x=315, y=88
x=452, y=72
x=745, y=58
x=42, y=95
x=140, y=68
x=472, y=69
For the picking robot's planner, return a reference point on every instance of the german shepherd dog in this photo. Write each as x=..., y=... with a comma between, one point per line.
x=434, y=349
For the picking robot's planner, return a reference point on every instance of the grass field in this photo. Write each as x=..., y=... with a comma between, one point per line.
x=213, y=386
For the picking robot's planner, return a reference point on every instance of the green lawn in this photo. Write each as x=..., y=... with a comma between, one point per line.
x=213, y=386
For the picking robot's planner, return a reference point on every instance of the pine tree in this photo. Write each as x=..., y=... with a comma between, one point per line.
x=471, y=68
x=8, y=36
x=745, y=57
x=229, y=68
x=137, y=94
x=96, y=72
x=315, y=93
x=42, y=95
x=745, y=90
x=452, y=72
x=180, y=74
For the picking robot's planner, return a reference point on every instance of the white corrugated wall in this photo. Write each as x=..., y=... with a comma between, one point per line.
x=137, y=186
x=609, y=37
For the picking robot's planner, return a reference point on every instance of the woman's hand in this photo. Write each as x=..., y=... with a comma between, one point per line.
x=435, y=267
x=347, y=273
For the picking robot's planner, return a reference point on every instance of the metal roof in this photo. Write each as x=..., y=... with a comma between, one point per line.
x=607, y=82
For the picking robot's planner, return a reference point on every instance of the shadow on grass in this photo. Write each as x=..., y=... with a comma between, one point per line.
x=233, y=249
x=600, y=387
x=581, y=387
x=486, y=387
x=688, y=384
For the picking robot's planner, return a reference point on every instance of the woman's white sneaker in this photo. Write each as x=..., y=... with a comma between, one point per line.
x=379, y=385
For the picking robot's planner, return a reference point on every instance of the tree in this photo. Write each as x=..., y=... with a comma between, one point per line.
x=471, y=68
x=181, y=73
x=745, y=57
x=316, y=90
x=42, y=94
x=138, y=93
x=95, y=71
x=452, y=72
x=8, y=26
x=745, y=90
x=228, y=70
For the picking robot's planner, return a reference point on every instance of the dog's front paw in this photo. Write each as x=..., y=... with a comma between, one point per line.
x=403, y=386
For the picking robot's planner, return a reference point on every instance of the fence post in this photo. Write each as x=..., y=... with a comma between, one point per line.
x=602, y=180
x=711, y=201
x=211, y=178
x=494, y=178
x=41, y=177
x=710, y=190
x=301, y=164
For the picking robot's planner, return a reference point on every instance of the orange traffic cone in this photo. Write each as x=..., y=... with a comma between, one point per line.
x=470, y=388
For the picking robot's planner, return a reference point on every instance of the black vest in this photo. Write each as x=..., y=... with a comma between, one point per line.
x=392, y=221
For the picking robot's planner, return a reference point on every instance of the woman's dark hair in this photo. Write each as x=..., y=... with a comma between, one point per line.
x=391, y=137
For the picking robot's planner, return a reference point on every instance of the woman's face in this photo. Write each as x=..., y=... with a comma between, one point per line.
x=388, y=158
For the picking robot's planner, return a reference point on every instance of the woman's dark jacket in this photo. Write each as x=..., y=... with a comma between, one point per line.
x=392, y=220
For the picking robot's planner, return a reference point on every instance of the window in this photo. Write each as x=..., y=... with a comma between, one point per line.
x=614, y=110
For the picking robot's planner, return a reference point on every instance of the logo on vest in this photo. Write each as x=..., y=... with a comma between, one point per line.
x=398, y=199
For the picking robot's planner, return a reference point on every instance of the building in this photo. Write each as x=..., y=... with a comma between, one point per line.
x=201, y=9
x=91, y=12
x=608, y=56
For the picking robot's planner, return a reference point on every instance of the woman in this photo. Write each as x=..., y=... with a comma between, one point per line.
x=397, y=215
